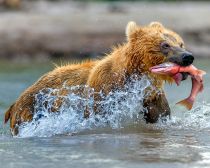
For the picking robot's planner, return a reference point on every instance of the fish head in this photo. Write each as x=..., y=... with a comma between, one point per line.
x=167, y=68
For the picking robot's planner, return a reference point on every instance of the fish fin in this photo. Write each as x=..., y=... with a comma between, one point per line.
x=201, y=72
x=187, y=103
x=177, y=78
x=199, y=76
x=201, y=88
x=8, y=114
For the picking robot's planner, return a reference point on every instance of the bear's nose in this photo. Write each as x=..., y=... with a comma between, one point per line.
x=187, y=58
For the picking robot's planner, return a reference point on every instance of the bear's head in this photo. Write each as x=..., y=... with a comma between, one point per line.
x=154, y=44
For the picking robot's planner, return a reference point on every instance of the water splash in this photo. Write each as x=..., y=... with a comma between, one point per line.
x=198, y=118
x=116, y=109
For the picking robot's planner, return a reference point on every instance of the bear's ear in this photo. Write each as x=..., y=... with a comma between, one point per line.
x=156, y=24
x=130, y=29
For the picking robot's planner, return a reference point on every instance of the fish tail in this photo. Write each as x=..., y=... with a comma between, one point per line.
x=188, y=103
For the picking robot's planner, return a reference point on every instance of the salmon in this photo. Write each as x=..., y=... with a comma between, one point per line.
x=174, y=71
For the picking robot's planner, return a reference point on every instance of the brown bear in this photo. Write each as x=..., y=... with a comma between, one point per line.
x=146, y=46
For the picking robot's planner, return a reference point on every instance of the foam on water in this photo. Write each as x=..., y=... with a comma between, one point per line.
x=116, y=110
x=198, y=118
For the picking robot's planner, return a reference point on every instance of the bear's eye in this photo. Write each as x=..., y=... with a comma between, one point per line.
x=165, y=48
x=165, y=45
x=181, y=45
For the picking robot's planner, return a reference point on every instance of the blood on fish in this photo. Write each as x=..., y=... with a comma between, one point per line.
x=175, y=71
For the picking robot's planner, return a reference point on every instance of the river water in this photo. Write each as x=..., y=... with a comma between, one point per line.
x=126, y=141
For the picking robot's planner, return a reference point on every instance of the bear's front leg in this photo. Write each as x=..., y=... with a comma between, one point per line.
x=156, y=108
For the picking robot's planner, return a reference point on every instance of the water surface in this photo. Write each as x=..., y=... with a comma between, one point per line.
x=183, y=141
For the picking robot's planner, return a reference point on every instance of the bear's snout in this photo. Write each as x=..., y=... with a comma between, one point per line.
x=182, y=58
x=187, y=58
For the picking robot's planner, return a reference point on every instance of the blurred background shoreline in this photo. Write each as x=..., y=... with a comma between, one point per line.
x=42, y=30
